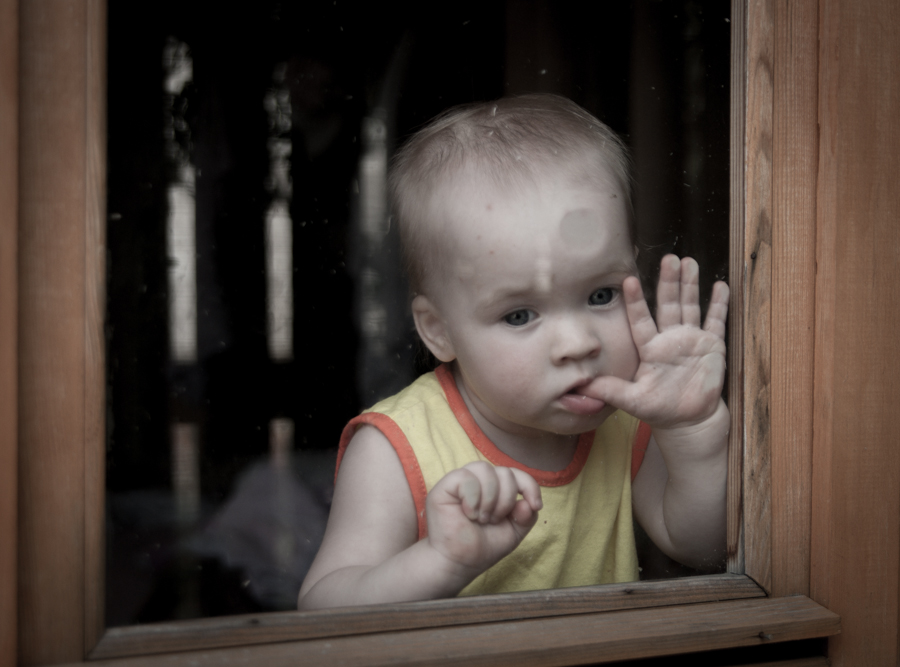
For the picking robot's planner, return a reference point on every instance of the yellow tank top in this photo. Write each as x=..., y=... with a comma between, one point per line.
x=584, y=533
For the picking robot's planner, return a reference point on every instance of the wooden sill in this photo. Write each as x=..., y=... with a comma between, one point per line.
x=222, y=632
x=561, y=640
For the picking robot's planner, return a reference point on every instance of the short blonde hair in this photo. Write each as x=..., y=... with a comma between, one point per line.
x=511, y=141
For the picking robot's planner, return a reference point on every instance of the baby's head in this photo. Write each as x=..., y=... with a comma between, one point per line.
x=512, y=144
x=516, y=222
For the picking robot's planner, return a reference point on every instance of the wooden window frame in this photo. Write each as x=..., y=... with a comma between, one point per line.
x=9, y=186
x=61, y=403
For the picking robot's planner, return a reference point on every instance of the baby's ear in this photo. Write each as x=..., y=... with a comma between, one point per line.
x=432, y=329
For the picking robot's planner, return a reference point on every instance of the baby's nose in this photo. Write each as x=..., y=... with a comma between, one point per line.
x=575, y=340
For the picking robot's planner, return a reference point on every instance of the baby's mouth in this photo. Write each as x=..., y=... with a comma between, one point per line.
x=577, y=402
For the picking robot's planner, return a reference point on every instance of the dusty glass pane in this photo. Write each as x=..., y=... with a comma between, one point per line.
x=255, y=298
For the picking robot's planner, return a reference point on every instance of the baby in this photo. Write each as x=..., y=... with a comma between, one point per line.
x=560, y=407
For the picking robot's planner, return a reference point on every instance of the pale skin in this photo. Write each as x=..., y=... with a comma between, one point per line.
x=544, y=322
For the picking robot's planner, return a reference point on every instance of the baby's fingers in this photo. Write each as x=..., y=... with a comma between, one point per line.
x=690, y=292
x=511, y=483
x=717, y=314
x=615, y=391
x=525, y=512
x=507, y=494
x=466, y=491
x=523, y=518
x=488, y=495
x=463, y=488
x=668, y=293
x=678, y=293
x=490, y=489
x=529, y=488
x=643, y=328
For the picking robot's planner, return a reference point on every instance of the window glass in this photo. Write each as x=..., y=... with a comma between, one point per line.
x=255, y=301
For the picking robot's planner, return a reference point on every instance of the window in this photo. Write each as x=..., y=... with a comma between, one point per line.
x=240, y=177
x=61, y=269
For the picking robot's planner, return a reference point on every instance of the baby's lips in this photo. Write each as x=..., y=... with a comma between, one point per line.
x=581, y=404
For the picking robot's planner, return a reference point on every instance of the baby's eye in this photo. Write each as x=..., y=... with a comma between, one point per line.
x=602, y=296
x=519, y=318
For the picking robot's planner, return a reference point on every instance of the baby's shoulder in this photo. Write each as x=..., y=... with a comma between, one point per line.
x=421, y=392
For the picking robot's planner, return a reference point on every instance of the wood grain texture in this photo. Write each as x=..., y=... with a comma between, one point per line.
x=565, y=640
x=799, y=662
x=795, y=163
x=757, y=268
x=51, y=331
x=95, y=308
x=9, y=193
x=259, y=629
x=821, y=538
x=51, y=532
x=735, y=497
x=856, y=461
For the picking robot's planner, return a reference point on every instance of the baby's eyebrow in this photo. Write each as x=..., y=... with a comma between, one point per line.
x=507, y=296
x=503, y=294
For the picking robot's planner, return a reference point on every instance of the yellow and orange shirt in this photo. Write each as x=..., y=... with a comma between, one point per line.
x=584, y=533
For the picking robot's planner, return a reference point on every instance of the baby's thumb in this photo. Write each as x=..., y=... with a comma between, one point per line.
x=612, y=391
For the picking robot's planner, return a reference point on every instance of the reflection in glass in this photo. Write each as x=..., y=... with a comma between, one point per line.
x=180, y=227
x=255, y=298
x=186, y=474
x=279, y=238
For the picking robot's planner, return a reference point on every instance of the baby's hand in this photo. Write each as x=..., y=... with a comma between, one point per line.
x=682, y=367
x=475, y=516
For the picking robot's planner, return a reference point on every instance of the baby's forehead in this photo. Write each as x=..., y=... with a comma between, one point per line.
x=478, y=223
x=573, y=200
x=536, y=169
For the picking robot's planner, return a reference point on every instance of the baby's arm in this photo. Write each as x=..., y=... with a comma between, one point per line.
x=371, y=552
x=679, y=493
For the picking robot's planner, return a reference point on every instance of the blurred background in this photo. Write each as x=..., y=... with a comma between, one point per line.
x=255, y=302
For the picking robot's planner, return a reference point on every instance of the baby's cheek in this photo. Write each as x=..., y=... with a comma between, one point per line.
x=513, y=373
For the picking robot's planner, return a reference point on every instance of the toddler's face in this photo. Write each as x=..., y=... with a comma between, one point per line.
x=532, y=301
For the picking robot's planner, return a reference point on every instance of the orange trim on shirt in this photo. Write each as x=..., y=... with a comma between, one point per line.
x=639, y=448
x=404, y=450
x=410, y=463
x=497, y=457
